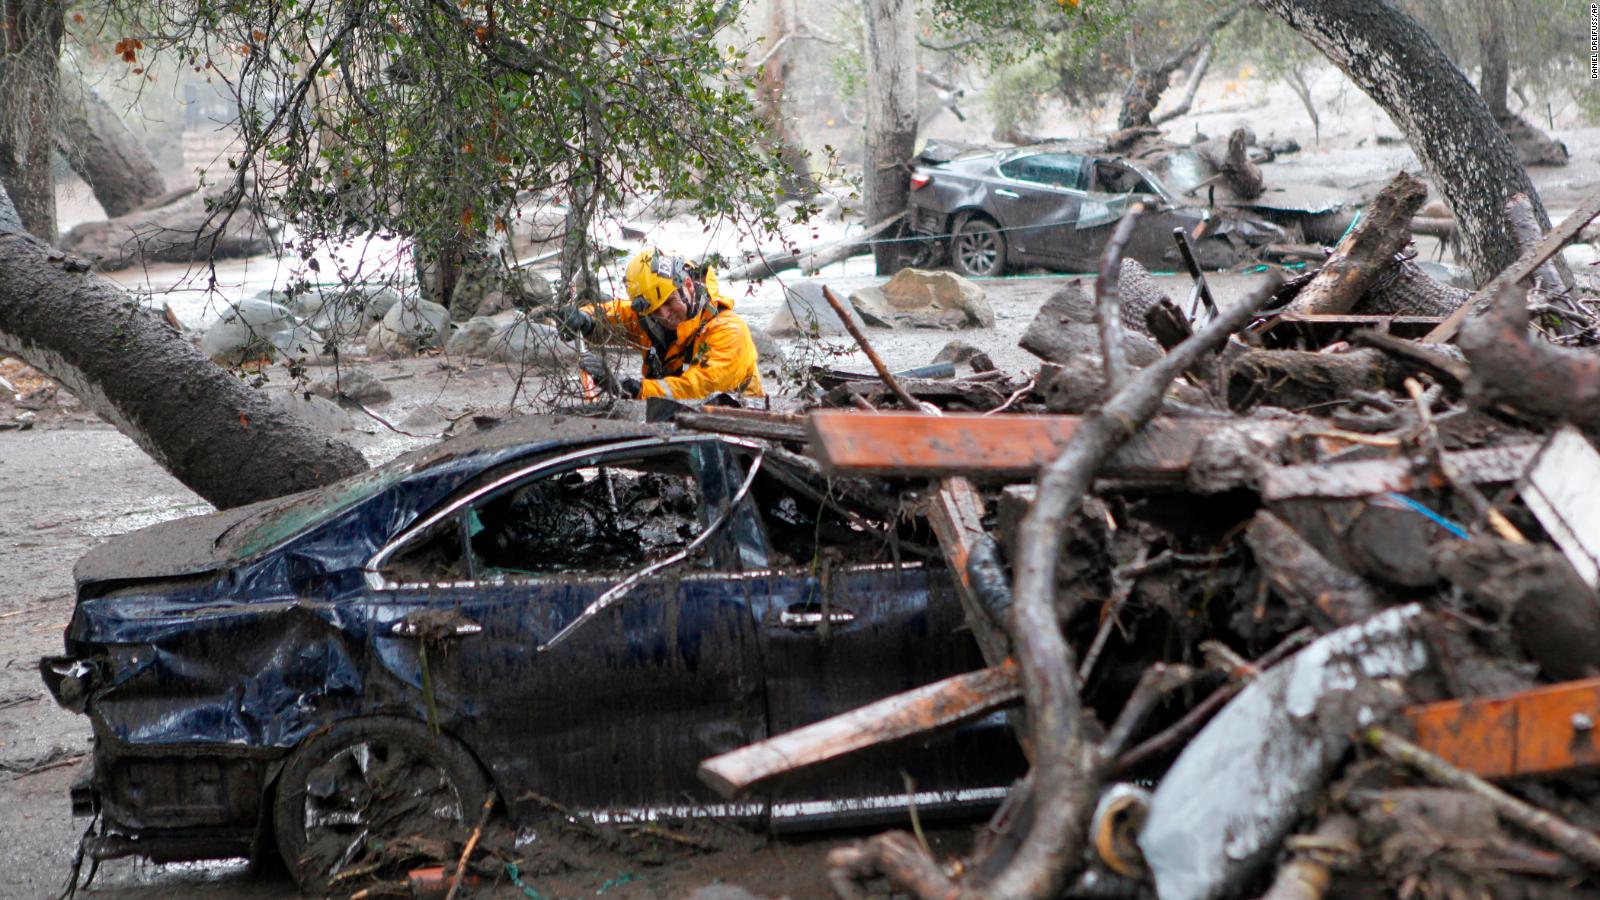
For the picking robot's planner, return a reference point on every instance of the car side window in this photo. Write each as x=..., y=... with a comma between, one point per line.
x=1110, y=178
x=1061, y=170
x=590, y=518
x=611, y=518
x=805, y=522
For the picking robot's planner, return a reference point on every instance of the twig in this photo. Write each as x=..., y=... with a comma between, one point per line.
x=1122, y=581
x=1156, y=682
x=1108, y=302
x=1566, y=837
x=472, y=844
x=872, y=355
x=1017, y=395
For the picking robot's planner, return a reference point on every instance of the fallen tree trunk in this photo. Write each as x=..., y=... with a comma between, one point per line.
x=1298, y=379
x=223, y=439
x=1365, y=252
x=1326, y=594
x=99, y=147
x=816, y=257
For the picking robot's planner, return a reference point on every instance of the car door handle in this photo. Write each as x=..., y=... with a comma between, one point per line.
x=806, y=617
x=1002, y=192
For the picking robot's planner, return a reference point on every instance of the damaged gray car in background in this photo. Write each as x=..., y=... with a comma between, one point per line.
x=986, y=212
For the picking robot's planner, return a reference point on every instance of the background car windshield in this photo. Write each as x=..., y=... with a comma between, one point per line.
x=1062, y=170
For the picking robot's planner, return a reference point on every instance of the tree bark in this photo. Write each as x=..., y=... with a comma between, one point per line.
x=891, y=54
x=1468, y=157
x=223, y=439
x=30, y=46
x=103, y=151
x=1365, y=253
x=770, y=89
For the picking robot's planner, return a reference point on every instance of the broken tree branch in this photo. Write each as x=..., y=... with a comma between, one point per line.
x=814, y=258
x=1067, y=769
x=1568, y=838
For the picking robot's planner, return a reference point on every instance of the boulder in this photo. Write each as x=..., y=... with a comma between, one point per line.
x=257, y=328
x=918, y=298
x=409, y=327
x=474, y=336
x=806, y=313
x=770, y=356
x=532, y=344
x=355, y=384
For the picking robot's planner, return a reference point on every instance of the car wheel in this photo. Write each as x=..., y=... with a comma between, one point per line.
x=978, y=249
x=365, y=778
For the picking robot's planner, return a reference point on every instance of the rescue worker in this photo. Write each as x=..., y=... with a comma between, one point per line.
x=692, y=343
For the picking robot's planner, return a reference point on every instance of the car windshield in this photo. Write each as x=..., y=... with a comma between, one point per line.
x=275, y=524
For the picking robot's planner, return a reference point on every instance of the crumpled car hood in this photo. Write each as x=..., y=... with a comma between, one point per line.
x=185, y=546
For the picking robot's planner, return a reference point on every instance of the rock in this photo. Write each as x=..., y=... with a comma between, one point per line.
x=355, y=384
x=409, y=327
x=806, y=313
x=533, y=344
x=1064, y=331
x=473, y=337
x=235, y=343
x=321, y=413
x=957, y=352
x=771, y=355
x=258, y=311
x=923, y=299
x=257, y=328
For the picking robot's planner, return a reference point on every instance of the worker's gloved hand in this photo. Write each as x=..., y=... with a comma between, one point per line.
x=631, y=388
x=574, y=322
x=603, y=377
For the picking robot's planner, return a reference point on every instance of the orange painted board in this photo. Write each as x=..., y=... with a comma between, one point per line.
x=981, y=446
x=1544, y=730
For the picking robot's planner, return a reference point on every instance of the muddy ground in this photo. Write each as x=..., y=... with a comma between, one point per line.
x=71, y=480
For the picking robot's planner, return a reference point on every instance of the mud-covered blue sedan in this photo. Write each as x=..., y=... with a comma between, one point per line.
x=553, y=609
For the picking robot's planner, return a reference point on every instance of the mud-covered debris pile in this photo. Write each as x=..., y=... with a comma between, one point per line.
x=1298, y=592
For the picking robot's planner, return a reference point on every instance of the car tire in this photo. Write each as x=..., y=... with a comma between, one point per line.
x=978, y=249
x=366, y=776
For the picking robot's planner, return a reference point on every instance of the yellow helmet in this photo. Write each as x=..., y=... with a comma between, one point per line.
x=651, y=278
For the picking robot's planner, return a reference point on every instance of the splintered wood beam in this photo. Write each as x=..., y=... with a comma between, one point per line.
x=1367, y=477
x=928, y=708
x=990, y=447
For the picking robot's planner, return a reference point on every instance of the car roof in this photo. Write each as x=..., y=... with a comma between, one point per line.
x=206, y=542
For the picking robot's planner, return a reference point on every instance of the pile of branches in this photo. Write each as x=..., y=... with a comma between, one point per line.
x=1275, y=533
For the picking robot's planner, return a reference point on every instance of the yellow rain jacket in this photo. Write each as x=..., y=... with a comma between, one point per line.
x=710, y=352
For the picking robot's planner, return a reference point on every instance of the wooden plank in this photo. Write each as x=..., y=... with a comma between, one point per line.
x=1525, y=265
x=927, y=708
x=1364, y=478
x=992, y=447
x=1536, y=732
x=1562, y=493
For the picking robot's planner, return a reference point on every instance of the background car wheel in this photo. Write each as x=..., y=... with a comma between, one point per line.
x=369, y=777
x=978, y=249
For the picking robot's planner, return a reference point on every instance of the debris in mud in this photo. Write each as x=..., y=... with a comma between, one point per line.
x=1304, y=462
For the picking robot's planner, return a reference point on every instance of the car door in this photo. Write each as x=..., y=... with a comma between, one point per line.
x=608, y=708
x=841, y=627
x=1038, y=197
